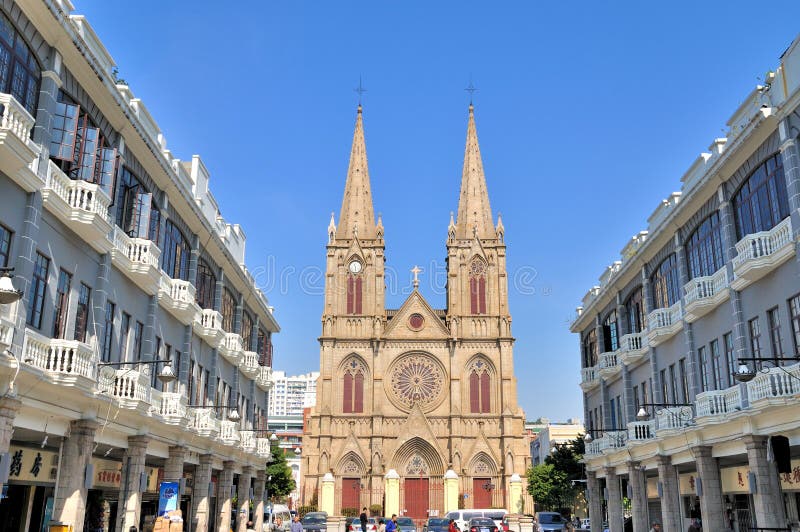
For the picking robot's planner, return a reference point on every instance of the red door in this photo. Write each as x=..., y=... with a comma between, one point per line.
x=416, y=495
x=482, y=491
x=351, y=493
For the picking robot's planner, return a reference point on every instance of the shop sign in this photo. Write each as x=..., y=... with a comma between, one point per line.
x=687, y=483
x=107, y=473
x=736, y=479
x=32, y=465
x=153, y=476
x=652, y=488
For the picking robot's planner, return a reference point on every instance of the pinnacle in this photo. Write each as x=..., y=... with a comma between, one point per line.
x=357, y=213
x=474, y=211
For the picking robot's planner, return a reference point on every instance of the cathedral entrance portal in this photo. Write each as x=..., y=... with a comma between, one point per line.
x=351, y=493
x=417, y=497
x=482, y=491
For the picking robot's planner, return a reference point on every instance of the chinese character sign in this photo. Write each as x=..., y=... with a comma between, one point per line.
x=168, y=497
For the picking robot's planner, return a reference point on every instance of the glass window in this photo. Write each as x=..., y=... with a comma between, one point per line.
x=19, y=71
x=774, y=322
x=37, y=293
x=610, y=332
x=794, y=313
x=264, y=348
x=137, y=214
x=138, y=336
x=479, y=396
x=124, y=332
x=704, y=248
x=247, y=331
x=82, y=316
x=175, y=256
x=705, y=377
x=228, y=310
x=5, y=245
x=154, y=382
x=108, y=331
x=730, y=359
x=755, y=338
x=761, y=202
x=590, y=349
x=666, y=283
x=206, y=285
x=635, y=307
x=477, y=287
x=717, y=367
x=664, y=386
x=684, y=381
x=673, y=384
x=61, y=304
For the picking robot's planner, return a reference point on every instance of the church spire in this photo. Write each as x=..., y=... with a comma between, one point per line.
x=357, y=216
x=474, y=212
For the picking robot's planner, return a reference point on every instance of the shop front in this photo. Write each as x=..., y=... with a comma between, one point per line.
x=27, y=498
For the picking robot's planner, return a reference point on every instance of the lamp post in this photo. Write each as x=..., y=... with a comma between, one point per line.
x=680, y=415
x=588, y=438
x=232, y=416
x=8, y=294
x=745, y=374
x=166, y=375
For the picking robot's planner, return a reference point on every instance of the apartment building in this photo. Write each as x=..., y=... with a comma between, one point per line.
x=689, y=343
x=140, y=350
x=290, y=394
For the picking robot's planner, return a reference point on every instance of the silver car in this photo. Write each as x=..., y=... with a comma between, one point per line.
x=550, y=521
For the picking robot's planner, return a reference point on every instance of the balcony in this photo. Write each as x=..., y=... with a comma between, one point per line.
x=177, y=297
x=129, y=387
x=19, y=155
x=717, y=405
x=609, y=364
x=639, y=431
x=674, y=418
x=80, y=205
x=608, y=442
x=247, y=441
x=760, y=253
x=228, y=433
x=704, y=294
x=138, y=259
x=171, y=408
x=663, y=323
x=208, y=324
x=249, y=364
x=231, y=348
x=6, y=333
x=66, y=362
x=264, y=378
x=776, y=386
x=632, y=347
x=204, y=422
x=263, y=448
x=589, y=378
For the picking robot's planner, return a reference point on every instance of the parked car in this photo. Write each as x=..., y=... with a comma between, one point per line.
x=504, y=524
x=436, y=524
x=462, y=517
x=314, y=522
x=406, y=524
x=549, y=521
x=353, y=524
x=585, y=523
x=482, y=524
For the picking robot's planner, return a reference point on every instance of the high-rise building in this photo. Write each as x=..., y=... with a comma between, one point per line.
x=290, y=394
x=417, y=406
x=130, y=274
x=689, y=343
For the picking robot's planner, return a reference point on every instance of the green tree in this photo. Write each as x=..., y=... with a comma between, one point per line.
x=566, y=457
x=547, y=486
x=279, y=476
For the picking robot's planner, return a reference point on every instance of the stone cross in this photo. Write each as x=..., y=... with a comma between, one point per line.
x=416, y=270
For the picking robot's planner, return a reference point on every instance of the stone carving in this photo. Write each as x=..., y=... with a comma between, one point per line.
x=416, y=379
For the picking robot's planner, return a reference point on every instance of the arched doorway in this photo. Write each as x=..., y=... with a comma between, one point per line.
x=422, y=470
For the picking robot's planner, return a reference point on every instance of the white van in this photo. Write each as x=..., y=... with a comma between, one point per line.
x=462, y=517
x=278, y=510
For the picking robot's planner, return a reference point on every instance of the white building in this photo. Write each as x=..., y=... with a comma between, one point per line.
x=290, y=394
x=552, y=434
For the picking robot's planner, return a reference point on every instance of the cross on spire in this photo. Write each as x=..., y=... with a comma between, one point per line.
x=416, y=271
x=471, y=89
x=360, y=90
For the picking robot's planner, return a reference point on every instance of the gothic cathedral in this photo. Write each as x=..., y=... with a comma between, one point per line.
x=415, y=394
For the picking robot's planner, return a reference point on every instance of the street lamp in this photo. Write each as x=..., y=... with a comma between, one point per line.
x=274, y=437
x=588, y=438
x=166, y=375
x=8, y=294
x=745, y=374
x=233, y=416
x=642, y=414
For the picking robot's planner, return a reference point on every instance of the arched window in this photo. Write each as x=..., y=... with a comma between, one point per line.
x=175, y=256
x=264, y=348
x=353, y=387
x=206, y=285
x=590, y=349
x=479, y=388
x=666, y=283
x=635, y=308
x=704, y=248
x=761, y=202
x=477, y=287
x=354, y=284
x=19, y=71
x=247, y=330
x=228, y=310
x=610, y=333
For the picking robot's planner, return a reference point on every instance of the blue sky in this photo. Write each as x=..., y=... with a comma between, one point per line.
x=587, y=114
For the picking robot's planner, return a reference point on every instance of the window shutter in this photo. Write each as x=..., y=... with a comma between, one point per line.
x=358, y=296
x=65, y=131
x=140, y=222
x=347, y=394
x=482, y=294
x=473, y=295
x=106, y=171
x=87, y=148
x=474, y=399
x=485, y=398
x=358, y=400
x=606, y=338
x=350, y=289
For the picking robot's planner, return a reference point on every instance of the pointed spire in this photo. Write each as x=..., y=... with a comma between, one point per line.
x=474, y=212
x=379, y=227
x=500, y=229
x=331, y=230
x=357, y=209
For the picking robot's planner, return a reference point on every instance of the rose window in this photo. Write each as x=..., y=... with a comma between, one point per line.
x=416, y=379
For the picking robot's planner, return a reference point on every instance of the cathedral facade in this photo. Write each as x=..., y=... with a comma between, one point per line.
x=416, y=394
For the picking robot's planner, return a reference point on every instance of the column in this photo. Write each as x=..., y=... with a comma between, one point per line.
x=526, y=524
x=728, y=226
x=391, y=490
x=767, y=495
x=791, y=172
x=258, y=499
x=670, y=498
x=27, y=242
x=595, y=497
x=9, y=406
x=712, y=502
x=515, y=494
x=149, y=338
x=652, y=355
x=218, y=292
x=99, y=299
x=243, y=498
x=692, y=364
x=69, y=506
x=182, y=372
x=200, y=494
x=614, y=500
x=629, y=410
x=638, y=488
x=45, y=107
x=173, y=468
x=224, y=502
x=451, y=492
x=130, y=496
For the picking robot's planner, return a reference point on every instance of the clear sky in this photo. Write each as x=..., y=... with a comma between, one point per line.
x=588, y=113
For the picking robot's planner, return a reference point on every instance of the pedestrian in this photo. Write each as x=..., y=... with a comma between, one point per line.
x=656, y=527
x=391, y=526
x=695, y=526
x=296, y=526
x=381, y=525
x=452, y=526
x=250, y=527
x=277, y=525
x=363, y=518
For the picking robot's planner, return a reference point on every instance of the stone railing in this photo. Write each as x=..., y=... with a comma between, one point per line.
x=6, y=333
x=15, y=118
x=633, y=342
x=177, y=290
x=171, y=407
x=264, y=377
x=719, y=402
x=701, y=288
x=589, y=375
x=674, y=417
x=78, y=194
x=263, y=448
x=231, y=347
x=204, y=421
x=763, y=244
x=140, y=251
x=609, y=441
x=249, y=363
x=776, y=383
x=247, y=441
x=64, y=358
x=662, y=318
x=641, y=430
x=609, y=361
x=228, y=433
x=129, y=386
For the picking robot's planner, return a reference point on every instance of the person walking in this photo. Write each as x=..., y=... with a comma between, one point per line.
x=452, y=526
x=381, y=525
x=277, y=526
x=656, y=527
x=364, y=519
x=296, y=526
x=391, y=526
